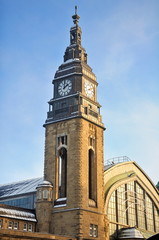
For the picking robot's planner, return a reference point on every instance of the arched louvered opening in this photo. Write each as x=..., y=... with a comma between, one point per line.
x=92, y=175
x=62, y=173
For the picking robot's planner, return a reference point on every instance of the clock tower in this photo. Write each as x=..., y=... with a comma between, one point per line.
x=73, y=205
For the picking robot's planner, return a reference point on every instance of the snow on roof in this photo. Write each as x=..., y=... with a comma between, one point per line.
x=17, y=213
x=21, y=218
x=65, y=69
x=45, y=184
x=71, y=60
x=18, y=188
x=131, y=233
x=67, y=75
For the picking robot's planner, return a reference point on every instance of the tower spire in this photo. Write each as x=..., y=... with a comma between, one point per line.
x=75, y=49
x=76, y=17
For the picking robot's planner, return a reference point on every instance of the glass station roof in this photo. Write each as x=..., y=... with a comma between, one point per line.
x=19, y=188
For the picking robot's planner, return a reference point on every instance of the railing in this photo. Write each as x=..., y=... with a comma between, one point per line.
x=67, y=111
x=62, y=110
x=117, y=160
x=50, y=114
x=60, y=113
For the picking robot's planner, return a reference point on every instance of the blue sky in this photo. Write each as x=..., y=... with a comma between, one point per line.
x=121, y=38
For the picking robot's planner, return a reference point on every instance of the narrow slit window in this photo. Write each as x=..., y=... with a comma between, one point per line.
x=91, y=230
x=62, y=140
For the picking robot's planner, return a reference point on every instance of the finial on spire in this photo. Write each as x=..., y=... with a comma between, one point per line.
x=76, y=17
x=75, y=10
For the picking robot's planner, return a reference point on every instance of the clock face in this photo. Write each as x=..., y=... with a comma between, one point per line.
x=89, y=89
x=64, y=87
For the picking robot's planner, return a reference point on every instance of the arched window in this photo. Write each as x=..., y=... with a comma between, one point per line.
x=130, y=205
x=92, y=175
x=62, y=173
